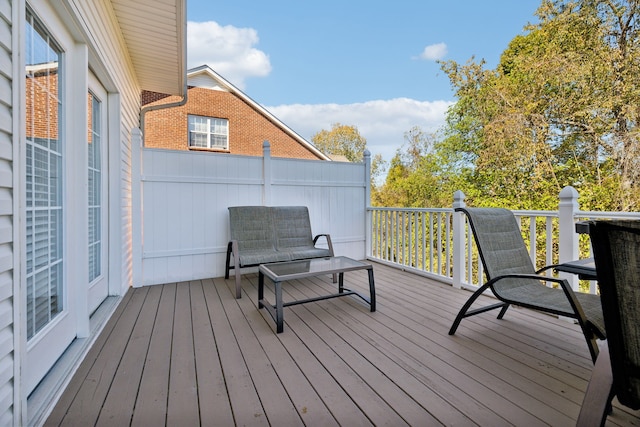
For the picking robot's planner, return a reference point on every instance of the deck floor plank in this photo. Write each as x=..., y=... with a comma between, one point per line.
x=323, y=342
x=420, y=356
x=276, y=403
x=61, y=408
x=394, y=404
x=243, y=397
x=501, y=379
x=409, y=359
x=118, y=407
x=151, y=402
x=191, y=354
x=372, y=365
x=310, y=407
x=212, y=391
x=96, y=385
x=334, y=396
x=182, y=405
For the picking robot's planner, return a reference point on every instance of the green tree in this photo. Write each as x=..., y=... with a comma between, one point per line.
x=415, y=177
x=560, y=109
x=342, y=140
x=345, y=140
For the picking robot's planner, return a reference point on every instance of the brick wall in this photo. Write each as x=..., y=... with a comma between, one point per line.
x=248, y=129
x=41, y=104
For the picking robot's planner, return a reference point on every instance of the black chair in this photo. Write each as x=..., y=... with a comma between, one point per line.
x=513, y=279
x=616, y=248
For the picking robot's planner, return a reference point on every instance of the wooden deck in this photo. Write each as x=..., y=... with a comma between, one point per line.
x=190, y=354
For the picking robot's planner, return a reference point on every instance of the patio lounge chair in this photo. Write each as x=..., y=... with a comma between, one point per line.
x=616, y=248
x=513, y=279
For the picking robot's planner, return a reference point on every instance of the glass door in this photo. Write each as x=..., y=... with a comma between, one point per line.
x=97, y=250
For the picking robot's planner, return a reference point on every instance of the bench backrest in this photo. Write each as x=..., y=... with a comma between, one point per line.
x=252, y=227
x=292, y=227
x=265, y=227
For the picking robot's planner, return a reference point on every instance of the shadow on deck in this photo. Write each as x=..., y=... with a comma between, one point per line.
x=190, y=354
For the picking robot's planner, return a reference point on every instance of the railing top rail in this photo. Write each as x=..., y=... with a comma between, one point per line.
x=375, y=208
x=552, y=214
x=619, y=215
x=537, y=213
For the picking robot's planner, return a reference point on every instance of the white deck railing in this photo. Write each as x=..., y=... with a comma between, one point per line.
x=415, y=239
x=438, y=242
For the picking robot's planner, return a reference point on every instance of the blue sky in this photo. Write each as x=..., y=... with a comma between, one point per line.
x=367, y=64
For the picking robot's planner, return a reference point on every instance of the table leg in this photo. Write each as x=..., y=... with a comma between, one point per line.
x=341, y=282
x=279, y=308
x=372, y=290
x=260, y=289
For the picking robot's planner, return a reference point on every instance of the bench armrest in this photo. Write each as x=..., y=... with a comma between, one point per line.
x=328, y=238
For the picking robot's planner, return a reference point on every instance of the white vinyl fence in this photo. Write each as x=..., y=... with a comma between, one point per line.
x=182, y=222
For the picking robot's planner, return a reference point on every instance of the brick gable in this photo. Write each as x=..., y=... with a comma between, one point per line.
x=248, y=128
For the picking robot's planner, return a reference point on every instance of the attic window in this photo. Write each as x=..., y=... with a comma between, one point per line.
x=208, y=133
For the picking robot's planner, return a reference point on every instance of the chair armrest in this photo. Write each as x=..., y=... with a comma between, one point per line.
x=546, y=267
x=328, y=238
x=234, y=250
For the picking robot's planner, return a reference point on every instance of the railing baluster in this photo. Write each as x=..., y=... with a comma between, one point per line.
x=549, y=240
x=430, y=241
x=424, y=240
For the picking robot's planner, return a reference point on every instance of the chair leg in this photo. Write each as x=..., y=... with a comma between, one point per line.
x=593, y=346
x=503, y=311
x=596, y=404
x=464, y=311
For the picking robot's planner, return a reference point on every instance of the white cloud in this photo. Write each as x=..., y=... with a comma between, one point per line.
x=434, y=52
x=381, y=123
x=227, y=50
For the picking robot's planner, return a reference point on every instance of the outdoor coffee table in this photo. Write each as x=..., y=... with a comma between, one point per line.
x=280, y=272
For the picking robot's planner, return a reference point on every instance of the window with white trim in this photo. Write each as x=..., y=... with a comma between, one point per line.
x=45, y=143
x=208, y=132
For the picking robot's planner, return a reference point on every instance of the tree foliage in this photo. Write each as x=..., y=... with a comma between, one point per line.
x=341, y=140
x=561, y=108
x=415, y=177
x=345, y=140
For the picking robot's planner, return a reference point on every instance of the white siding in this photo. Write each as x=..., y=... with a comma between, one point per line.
x=7, y=338
x=186, y=194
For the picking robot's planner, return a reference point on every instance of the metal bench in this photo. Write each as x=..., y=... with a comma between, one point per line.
x=266, y=234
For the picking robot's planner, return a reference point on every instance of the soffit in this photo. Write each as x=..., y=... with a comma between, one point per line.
x=155, y=34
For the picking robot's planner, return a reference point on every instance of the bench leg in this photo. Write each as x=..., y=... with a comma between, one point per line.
x=260, y=289
x=236, y=267
x=238, y=286
x=228, y=263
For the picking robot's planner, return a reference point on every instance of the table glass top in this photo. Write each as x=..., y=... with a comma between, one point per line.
x=310, y=267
